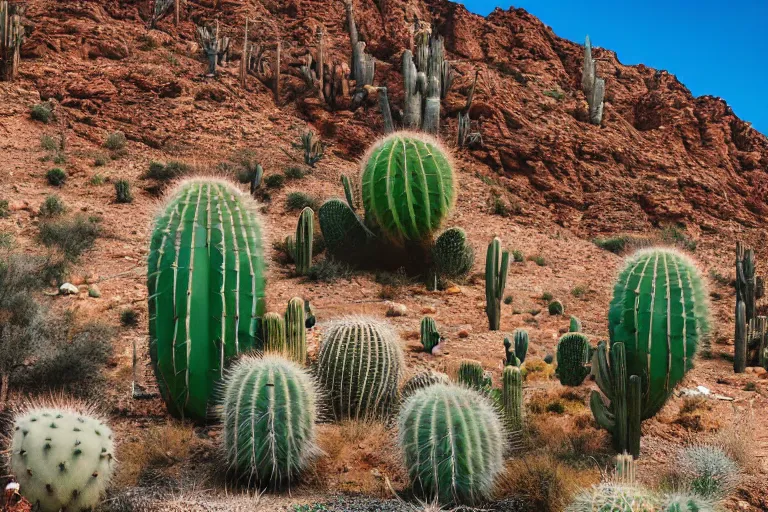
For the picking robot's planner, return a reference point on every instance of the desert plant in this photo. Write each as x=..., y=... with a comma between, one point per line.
x=685, y=502
x=295, y=331
x=517, y=256
x=574, y=325
x=453, y=444
x=56, y=177
x=53, y=206
x=471, y=374
x=294, y=173
x=422, y=380
x=274, y=181
x=269, y=411
x=408, y=186
x=166, y=172
x=41, y=112
x=614, y=497
x=496, y=268
x=329, y=270
x=452, y=256
x=430, y=337
x=516, y=356
x=215, y=296
x=62, y=456
x=123, y=191
x=313, y=147
x=299, y=200
x=707, y=470
x=512, y=397
x=573, y=354
x=345, y=234
x=129, y=317
x=556, y=307
x=360, y=365
x=593, y=86
x=305, y=236
x=115, y=141
x=273, y=333
x=72, y=236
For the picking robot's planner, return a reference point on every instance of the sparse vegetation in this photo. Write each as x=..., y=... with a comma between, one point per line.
x=294, y=173
x=166, y=172
x=71, y=236
x=676, y=235
x=56, y=177
x=123, y=191
x=508, y=300
x=546, y=296
x=4, y=208
x=42, y=112
x=129, y=317
x=115, y=141
x=53, y=206
x=538, y=259
x=579, y=291
x=274, y=181
x=517, y=256
x=328, y=270
x=295, y=201
x=100, y=160
x=553, y=93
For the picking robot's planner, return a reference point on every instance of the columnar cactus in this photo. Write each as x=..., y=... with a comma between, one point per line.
x=516, y=357
x=452, y=256
x=348, y=191
x=593, y=86
x=575, y=324
x=740, y=339
x=660, y=313
x=269, y=416
x=360, y=365
x=408, y=186
x=512, y=397
x=11, y=39
x=305, y=234
x=62, y=457
x=296, y=331
x=573, y=354
x=429, y=334
x=453, y=444
x=422, y=380
x=471, y=374
x=273, y=333
x=205, y=278
x=496, y=268
x=344, y=233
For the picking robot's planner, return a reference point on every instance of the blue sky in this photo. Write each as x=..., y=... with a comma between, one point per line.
x=713, y=47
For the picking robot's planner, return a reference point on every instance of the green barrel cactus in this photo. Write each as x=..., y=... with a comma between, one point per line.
x=452, y=256
x=512, y=397
x=360, y=365
x=205, y=278
x=268, y=412
x=408, y=186
x=573, y=356
x=453, y=444
x=296, y=331
x=422, y=380
x=62, y=457
x=660, y=313
x=429, y=334
x=471, y=374
x=516, y=356
x=496, y=268
x=344, y=233
x=556, y=307
x=273, y=333
x=305, y=234
x=575, y=324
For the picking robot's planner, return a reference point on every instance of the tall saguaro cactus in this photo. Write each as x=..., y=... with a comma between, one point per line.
x=205, y=279
x=496, y=268
x=11, y=38
x=593, y=86
x=305, y=233
x=296, y=331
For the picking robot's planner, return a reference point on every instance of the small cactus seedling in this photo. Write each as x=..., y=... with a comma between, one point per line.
x=516, y=357
x=573, y=355
x=422, y=380
x=305, y=234
x=429, y=334
x=295, y=331
x=512, y=397
x=453, y=444
x=496, y=268
x=63, y=457
x=123, y=191
x=273, y=333
x=452, y=256
x=556, y=307
x=269, y=416
x=575, y=324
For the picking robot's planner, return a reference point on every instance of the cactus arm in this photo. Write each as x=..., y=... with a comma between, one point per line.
x=634, y=416
x=304, y=240
x=348, y=191
x=600, y=411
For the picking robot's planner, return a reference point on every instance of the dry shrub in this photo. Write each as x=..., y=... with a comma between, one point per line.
x=692, y=404
x=693, y=417
x=738, y=441
x=576, y=440
x=536, y=369
x=558, y=402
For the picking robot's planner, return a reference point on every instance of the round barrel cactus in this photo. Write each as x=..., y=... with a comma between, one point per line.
x=205, y=278
x=62, y=457
x=452, y=255
x=360, y=365
x=269, y=416
x=453, y=444
x=660, y=313
x=422, y=380
x=408, y=185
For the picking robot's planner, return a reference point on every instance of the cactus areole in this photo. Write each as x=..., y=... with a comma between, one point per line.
x=408, y=186
x=205, y=279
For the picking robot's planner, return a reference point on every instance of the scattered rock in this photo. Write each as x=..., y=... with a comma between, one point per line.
x=394, y=309
x=68, y=289
x=428, y=310
x=453, y=290
x=94, y=292
x=463, y=333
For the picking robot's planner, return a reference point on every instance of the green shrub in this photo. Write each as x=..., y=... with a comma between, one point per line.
x=328, y=270
x=96, y=180
x=546, y=296
x=299, y=200
x=49, y=143
x=274, y=181
x=100, y=160
x=6, y=240
x=53, y=206
x=708, y=471
x=499, y=207
x=676, y=235
x=539, y=260
x=508, y=300
x=294, y=173
x=166, y=172
x=517, y=255
x=56, y=177
x=129, y=317
x=4, y=208
x=579, y=291
x=556, y=406
x=71, y=236
x=614, y=244
x=558, y=95
x=41, y=112
x=115, y=141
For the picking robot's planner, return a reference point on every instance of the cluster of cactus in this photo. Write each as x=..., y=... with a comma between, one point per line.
x=215, y=47
x=750, y=340
x=123, y=191
x=11, y=39
x=430, y=336
x=515, y=356
x=296, y=331
x=360, y=365
x=268, y=412
x=573, y=356
x=363, y=64
x=512, y=398
x=206, y=284
x=496, y=268
x=305, y=234
x=575, y=324
x=62, y=457
x=593, y=86
x=452, y=256
x=453, y=444
x=273, y=333
x=422, y=380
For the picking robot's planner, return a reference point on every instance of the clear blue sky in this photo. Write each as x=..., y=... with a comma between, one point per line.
x=713, y=47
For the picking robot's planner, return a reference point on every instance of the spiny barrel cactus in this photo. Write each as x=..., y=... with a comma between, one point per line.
x=471, y=374
x=452, y=256
x=516, y=357
x=360, y=365
x=575, y=324
x=408, y=185
x=685, y=502
x=556, y=307
x=62, y=457
x=269, y=416
x=660, y=313
x=429, y=334
x=573, y=353
x=344, y=233
x=296, y=331
x=453, y=444
x=205, y=279
x=305, y=233
x=614, y=497
x=512, y=397
x=496, y=268
x=422, y=380
x=273, y=333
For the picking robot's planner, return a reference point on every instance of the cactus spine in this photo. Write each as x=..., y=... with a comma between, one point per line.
x=452, y=256
x=516, y=357
x=295, y=331
x=360, y=365
x=205, y=278
x=63, y=457
x=573, y=353
x=429, y=334
x=512, y=397
x=496, y=268
x=269, y=416
x=453, y=444
x=408, y=186
x=305, y=234
x=575, y=325
x=422, y=380
x=273, y=333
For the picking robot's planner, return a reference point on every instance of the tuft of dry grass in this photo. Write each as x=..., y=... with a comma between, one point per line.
x=536, y=369
x=738, y=442
x=576, y=440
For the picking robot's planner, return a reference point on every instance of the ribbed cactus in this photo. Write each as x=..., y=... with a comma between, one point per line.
x=408, y=186
x=660, y=313
x=573, y=354
x=453, y=444
x=516, y=357
x=62, y=457
x=11, y=38
x=685, y=502
x=205, y=279
x=296, y=331
x=345, y=235
x=429, y=334
x=269, y=416
x=422, y=380
x=575, y=325
x=740, y=341
x=512, y=397
x=305, y=234
x=614, y=497
x=273, y=333
x=348, y=191
x=471, y=374
x=452, y=256
x=496, y=268
x=360, y=365
x=556, y=307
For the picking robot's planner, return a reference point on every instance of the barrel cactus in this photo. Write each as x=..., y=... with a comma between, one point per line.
x=512, y=397
x=205, y=278
x=273, y=333
x=62, y=457
x=453, y=444
x=344, y=233
x=296, y=331
x=268, y=412
x=660, y=313
x=573, y=356
x=422, y=380
x=408, y=186
x=360, y=365
x=556, y=307
x=452, y=256
x=685, y=502
x=429, y=334
x=614, y=497
x=305, y=232
x=471, y=374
